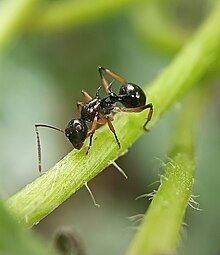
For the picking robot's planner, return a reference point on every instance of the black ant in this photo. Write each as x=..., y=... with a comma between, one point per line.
x=99, y=110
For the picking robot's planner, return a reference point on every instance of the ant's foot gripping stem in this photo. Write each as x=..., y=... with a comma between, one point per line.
x=150, y=106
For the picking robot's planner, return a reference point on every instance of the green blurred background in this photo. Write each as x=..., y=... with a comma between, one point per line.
x=42, y=73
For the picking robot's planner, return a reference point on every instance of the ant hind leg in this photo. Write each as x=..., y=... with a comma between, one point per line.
x=138, y=109
x=149, y=116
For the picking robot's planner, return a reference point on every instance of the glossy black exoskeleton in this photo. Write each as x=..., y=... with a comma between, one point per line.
x=130, y=95
x=98, y=111
x=76, y=131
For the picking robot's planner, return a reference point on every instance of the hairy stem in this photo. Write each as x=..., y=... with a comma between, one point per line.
x=38, y=199
x=159, y=231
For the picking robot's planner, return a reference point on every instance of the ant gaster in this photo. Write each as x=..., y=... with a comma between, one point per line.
x=98, y=111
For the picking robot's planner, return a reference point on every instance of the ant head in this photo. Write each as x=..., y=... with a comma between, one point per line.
x=76, y=131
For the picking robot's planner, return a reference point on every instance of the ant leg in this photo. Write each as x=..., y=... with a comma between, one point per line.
x=111, y=127
x=90, y=143
x=39, y=143
x=135, y=109
x=112, y=74
x=91, y=133
x=103, y=80
x=150, y=106
x=138, y=109
x=79, y=106
x=86, y=96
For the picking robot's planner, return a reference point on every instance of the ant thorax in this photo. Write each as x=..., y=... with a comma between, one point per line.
x=106, y=107
x=90, y=109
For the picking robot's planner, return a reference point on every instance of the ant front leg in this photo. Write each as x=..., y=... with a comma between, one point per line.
x=138, y=109
x=91, y=132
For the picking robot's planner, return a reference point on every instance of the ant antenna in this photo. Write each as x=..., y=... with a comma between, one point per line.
x=39, y=143
x=91, y=195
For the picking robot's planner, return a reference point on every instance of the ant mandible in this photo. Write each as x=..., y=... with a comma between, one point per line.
x=98, y=111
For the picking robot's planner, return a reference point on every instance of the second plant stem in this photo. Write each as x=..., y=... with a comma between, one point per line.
x=159, y=232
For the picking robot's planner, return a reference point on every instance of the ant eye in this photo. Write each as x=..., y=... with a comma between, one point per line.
x=79, y=128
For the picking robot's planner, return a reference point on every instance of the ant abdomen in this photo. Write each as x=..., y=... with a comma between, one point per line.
x=131, y=95
x=76, y=131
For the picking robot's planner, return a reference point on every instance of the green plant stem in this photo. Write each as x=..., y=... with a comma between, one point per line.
x=17, y=241
x=13, y=15
x=159, y=231
x=42, y=196
x=66, y=14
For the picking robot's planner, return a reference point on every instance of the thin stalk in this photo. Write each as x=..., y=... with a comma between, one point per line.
x=160, y=228
x=38, y=199
x=65, y=14
x=17, y=241
x=13, y=15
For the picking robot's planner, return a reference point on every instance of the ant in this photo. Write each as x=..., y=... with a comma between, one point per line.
x=98, y=111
